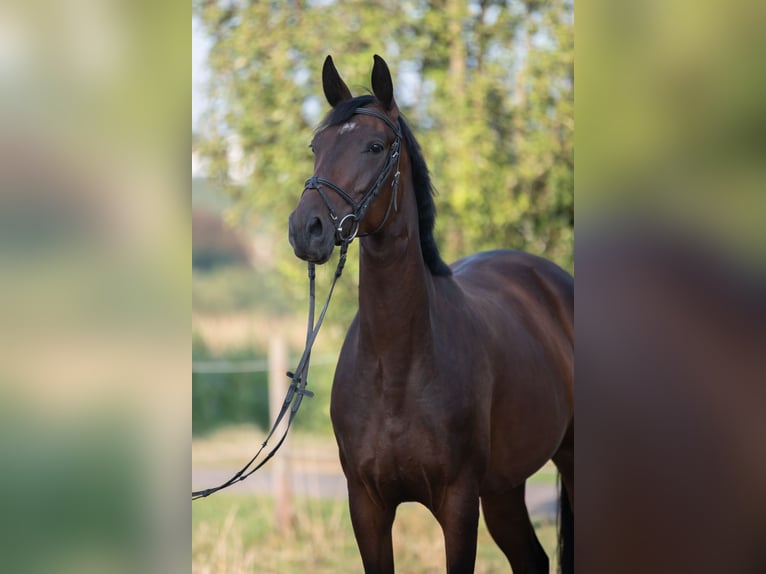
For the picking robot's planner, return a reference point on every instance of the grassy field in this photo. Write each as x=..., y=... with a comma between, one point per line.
x=235, y=533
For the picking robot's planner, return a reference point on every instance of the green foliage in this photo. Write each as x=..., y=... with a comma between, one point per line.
x=486, y=85
x=226, y=398
x=231, y=289
x=229, y=397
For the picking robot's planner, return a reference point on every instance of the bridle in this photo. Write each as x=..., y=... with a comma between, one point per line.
x=358, y=209
x=298, y=379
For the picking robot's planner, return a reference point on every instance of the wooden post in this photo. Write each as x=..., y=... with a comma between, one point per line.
x=280, y=471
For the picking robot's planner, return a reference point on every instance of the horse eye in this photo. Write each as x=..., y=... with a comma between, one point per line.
x=311, y=147
x=376, y=148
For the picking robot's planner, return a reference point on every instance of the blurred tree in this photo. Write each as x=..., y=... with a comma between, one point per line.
x=487, y=86
x=214, y=244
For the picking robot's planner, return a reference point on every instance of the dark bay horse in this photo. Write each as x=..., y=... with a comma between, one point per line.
x=454, y=384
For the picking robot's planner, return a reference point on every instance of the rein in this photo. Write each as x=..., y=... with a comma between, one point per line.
x=297, y=389
x=358, y=209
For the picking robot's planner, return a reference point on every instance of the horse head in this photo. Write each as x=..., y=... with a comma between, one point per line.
x=356, y=167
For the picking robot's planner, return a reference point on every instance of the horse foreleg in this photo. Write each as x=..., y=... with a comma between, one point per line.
x=372, y=524
x=458, y=516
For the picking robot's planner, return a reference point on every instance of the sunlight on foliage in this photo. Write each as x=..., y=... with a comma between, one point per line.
x=487, y=87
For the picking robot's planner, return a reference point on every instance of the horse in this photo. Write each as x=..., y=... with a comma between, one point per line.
x=454, y=383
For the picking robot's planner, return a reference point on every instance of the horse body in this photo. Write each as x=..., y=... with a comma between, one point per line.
x=452, y=386
x=458, y=382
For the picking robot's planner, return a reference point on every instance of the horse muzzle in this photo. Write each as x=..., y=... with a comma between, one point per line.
x=312, y=236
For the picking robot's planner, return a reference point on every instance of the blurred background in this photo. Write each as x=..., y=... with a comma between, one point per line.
x=671, y=286
x=96, y=262
x=94, y=286
x=487, y=88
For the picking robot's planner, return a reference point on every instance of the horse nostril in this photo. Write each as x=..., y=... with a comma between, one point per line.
x=314, y=228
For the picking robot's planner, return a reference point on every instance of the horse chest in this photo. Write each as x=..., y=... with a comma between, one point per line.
x=396, y=434
x=396, y=457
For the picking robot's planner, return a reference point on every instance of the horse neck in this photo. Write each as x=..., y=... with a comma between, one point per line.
x=395, y=285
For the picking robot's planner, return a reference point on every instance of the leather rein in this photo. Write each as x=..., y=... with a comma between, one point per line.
x=298, y=379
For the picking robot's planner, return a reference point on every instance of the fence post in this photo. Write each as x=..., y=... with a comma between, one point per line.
x=280, y=472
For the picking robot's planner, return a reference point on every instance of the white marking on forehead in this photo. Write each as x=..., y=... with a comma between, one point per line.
x=347, y=127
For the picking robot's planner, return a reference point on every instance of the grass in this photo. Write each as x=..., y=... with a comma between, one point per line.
x=236, y=533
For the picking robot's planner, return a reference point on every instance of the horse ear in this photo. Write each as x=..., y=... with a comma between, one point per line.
x=382, y=86
x=335, y=89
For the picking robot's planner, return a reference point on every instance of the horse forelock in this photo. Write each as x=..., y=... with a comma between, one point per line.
x=421, y=179
x=344, y=111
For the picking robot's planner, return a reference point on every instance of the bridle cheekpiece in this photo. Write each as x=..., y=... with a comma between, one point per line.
x=358, y=209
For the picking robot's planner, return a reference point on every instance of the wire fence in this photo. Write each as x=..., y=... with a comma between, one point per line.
x=226, y=366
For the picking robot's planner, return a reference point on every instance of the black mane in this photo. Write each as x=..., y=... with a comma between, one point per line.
x=421, y=179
